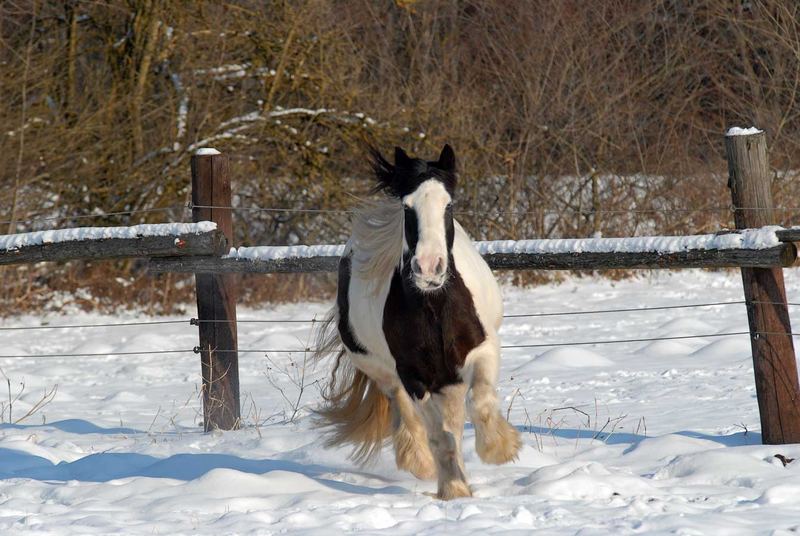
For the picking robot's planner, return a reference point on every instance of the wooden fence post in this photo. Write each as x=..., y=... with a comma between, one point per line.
x=774, y=361
x=216, y=297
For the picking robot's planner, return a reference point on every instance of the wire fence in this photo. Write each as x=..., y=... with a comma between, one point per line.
x=662, y=210
x=197, y=321
x=265, y=351
x=96, y=216
x=581, y=211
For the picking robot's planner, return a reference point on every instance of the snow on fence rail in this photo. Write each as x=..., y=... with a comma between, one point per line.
x=199, y=247
x=765, y=247
x=150, y=240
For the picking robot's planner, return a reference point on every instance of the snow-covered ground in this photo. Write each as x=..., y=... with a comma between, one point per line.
x=652, y=438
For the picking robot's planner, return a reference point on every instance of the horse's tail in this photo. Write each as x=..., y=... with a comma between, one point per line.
x=355, y=411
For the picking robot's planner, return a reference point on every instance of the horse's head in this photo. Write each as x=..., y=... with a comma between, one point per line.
x=426, y=191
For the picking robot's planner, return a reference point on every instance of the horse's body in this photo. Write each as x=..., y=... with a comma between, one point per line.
x=417, y=316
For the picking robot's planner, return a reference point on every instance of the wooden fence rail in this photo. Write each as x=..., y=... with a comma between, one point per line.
x=188, y=244
x=778, y=256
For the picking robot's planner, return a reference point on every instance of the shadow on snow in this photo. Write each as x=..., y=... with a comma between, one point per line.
x=104, y=467
x=72, y=426
x=733, y=440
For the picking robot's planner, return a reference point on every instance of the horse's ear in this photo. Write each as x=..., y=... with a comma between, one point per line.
x=447, y=159
x=401, y=159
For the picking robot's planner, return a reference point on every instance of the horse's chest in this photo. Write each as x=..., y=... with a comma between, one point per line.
x=430, y=336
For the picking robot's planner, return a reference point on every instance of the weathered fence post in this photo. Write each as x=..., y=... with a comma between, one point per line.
x=774, y=361
x=216, y=297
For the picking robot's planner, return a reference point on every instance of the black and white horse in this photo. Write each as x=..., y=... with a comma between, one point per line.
x=414, y=329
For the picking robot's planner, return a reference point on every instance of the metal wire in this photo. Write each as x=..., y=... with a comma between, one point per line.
x=513, y=212
x=344, y=211
x=109, y=325
x=644, y=309
x=262, y=209
x=198, y=350
x=100, y=354
x=621, y=310
x=188, y=321
x=649, y=339
x=197, y=321
x=90, y=216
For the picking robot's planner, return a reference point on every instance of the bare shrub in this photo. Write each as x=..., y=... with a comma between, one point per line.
x=565, y=116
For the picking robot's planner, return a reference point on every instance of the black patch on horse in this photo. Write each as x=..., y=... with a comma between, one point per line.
x=411, y=225
x=345, y=332
x=430, y=333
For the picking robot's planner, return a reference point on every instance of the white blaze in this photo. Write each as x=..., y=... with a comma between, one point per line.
x=429, y=202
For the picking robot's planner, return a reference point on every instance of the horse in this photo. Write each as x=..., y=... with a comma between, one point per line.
x=414, y=331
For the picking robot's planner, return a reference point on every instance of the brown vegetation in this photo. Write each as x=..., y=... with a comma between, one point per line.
x=556, y=108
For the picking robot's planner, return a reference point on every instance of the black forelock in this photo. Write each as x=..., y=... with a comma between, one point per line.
x=405, y=176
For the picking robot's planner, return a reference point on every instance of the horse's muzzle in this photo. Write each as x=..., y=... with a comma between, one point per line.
x=429, y=284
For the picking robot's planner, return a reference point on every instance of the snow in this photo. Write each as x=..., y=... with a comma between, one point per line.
x=16, y=241
x=205, y=151
x=285, y=252
x=738, y=131
x=747, y=239
x=762, y=238
x=569, y=357
x=645, y=438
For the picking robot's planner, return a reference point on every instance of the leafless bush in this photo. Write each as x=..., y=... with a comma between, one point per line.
x=12, y=398
x=291, y=380
x=565, y=115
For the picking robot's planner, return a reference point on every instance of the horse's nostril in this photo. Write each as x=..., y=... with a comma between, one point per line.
x=415, y=268
x=440, y=266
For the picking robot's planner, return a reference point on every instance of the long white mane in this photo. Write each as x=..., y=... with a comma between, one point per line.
x=377, y=240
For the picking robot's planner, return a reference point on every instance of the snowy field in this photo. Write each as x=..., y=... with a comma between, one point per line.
x=646, y=438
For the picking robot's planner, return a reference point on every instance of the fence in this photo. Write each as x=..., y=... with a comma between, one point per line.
x=202, y=248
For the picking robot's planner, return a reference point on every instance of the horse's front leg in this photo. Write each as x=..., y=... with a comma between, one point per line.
x=496, y=441
x=443, y=413
x=410, y=438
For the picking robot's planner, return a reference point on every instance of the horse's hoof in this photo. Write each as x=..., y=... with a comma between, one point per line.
x=500, y=445
x=453, y=489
